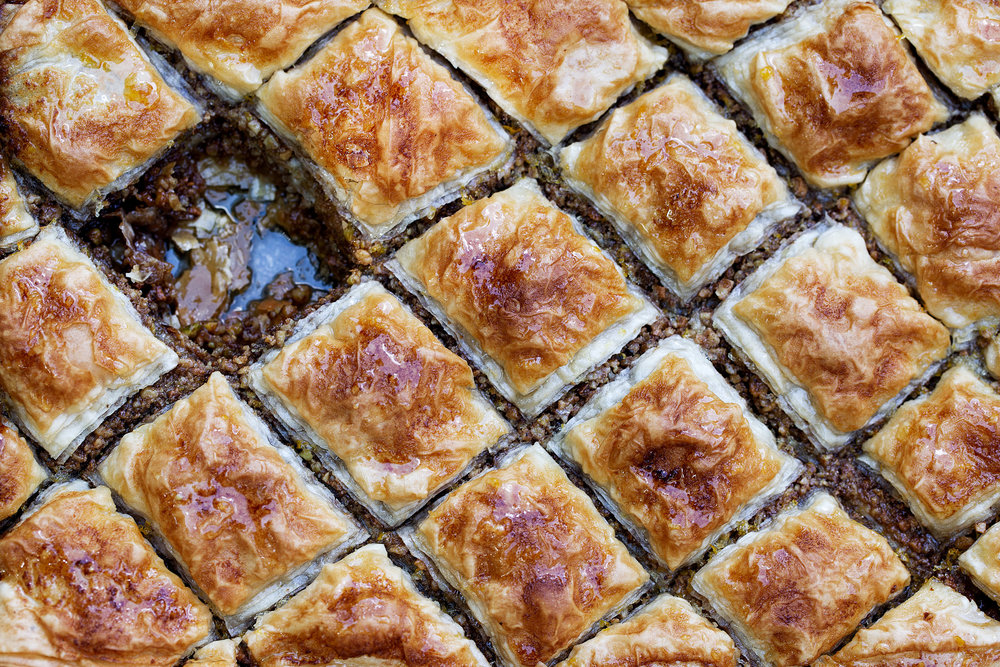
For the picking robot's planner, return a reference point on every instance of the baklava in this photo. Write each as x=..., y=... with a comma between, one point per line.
x=937, y=626
x=957, y=39
x=365, y=380
x=838, y=340
x=833, y=88
x=85, y=108
x=667, y=632
x=532, y=556
x=674, y=452
x=80, y=586
x=240, y=43
x=941, y=452
x=20, y=473
x=362, y=610
x=237, y=511
x=72, y=347
x=221, y=653
x=535, y=302
x=982, y=562
x=553, y=66
x=389, y=131
x=933, y=208
x=794, y=590
x=16, y=223
x=683, y=187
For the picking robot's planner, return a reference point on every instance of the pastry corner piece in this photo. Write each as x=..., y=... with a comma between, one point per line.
x=388, y=131
x=85, y=107
x=941, y=452
x=368, y=383
x=553, y=66
x=20, y=472
x=668, y=631
x=937, y=626
x=72, y=346
x=241, y=43
x=535, y=302
x=933, y=208
x=981, y=562
x=80, y=586
x=682, y=185
x=16, y=223
x=532, y=556
x=362, y=609
x=222, y=653
x=839, y=341
x=956, y=39
x=237, y=511
x=676, y=451
x=833, y=88
x=793, y=591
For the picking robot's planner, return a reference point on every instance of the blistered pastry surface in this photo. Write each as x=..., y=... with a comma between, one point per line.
x=83, y=103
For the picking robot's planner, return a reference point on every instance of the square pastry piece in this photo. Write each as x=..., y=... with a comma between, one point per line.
x=675, y=452
x=365, y=380
x=668, y=632
x=956, y=38
x=554, y=65
x=530, y=553
x=935, y=627
x=687, y=191
x=942, y=453
x=982, y=562
x=388, y=131
x=934, y=208
x=240, y=43
x=834, y=89
x=532, y=299
x=362, y=610
x=237, y=512
x=16, y=224
x=85, y=108
x=80, y=586
x=20, y=473
x=222, y=653
x=705, y=28
x=839, y=341
x=72, y=347
x=793, y=591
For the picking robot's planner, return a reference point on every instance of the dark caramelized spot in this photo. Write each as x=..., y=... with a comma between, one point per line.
x=387, y=122
x=18, y=476
x=854, y=341
x=845, y=96
x=678, y=459
x=97, y=591
x=387, y=397
x=515, y=274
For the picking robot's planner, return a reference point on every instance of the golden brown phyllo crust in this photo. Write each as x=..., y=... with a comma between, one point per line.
x=709, y=25
x=20, y=474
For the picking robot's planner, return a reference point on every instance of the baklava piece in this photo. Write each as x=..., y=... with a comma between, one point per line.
x=389, y=132
x=684, y=188
x=937, y=626
x=79, y=586
x=838, y=340
x=553, y=66
x=530, y=553
x=982, y=562
x=668, y=632
x=933, y=208
x=16, y=223
x=85, y=108
x=20, y=474
x=705, y=28
x=956, y=38
x=72, y=347
x=535, y=302
x=834, y=89
x=217, y=654
x=942, y=453
x=366, y=380
x=235, y=510
x=676, y=452
x=362, y=610
x=793, y=591
x=240, y=43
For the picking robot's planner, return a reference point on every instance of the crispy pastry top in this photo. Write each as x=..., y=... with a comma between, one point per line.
x=20, y=473
x=709, y=25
